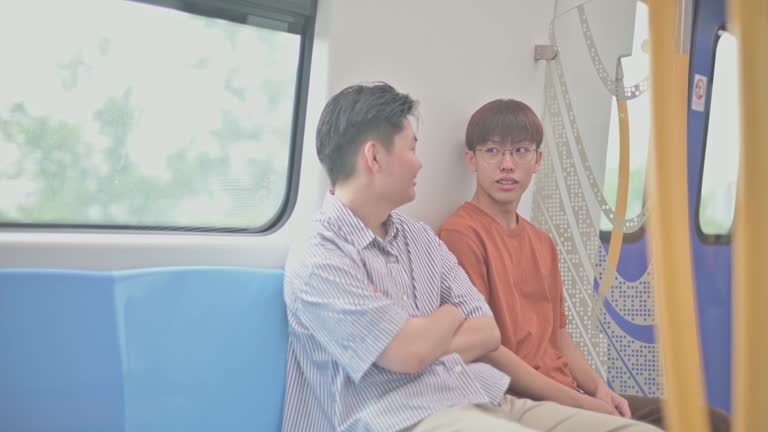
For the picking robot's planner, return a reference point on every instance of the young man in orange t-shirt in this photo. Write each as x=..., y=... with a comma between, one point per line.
x=514, y=265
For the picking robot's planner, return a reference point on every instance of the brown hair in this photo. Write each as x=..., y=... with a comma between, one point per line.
x=505, y=119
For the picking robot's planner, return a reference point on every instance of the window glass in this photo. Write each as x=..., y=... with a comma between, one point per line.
x=721, y=155
x=116, y=113
x=636, y=68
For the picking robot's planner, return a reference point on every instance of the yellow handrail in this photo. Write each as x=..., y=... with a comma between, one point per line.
x=749, y=23
x=677, y=324
x=622, y=192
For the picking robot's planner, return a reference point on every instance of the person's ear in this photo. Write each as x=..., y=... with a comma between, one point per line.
x=371, y=156
x=470, y=159
x=539, y=156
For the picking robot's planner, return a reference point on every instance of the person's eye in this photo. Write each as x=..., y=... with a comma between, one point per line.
x=492, y=150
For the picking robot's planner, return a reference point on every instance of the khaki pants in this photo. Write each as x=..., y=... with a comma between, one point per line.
x=524, y=415
x=649, y=410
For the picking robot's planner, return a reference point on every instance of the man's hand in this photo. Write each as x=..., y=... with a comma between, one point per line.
x=596, y=405
x=620, y=404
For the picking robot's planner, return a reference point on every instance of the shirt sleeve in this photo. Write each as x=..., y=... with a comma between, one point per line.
x=347, y=315
x=456, y=288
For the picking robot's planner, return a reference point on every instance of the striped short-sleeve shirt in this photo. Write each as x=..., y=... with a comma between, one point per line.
x=347, y=294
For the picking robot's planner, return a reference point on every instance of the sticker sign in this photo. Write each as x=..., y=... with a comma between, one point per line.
x=699, y=93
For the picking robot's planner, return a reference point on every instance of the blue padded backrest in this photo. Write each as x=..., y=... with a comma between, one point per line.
x=179, y=349
x=59, y=357
x=205, y=349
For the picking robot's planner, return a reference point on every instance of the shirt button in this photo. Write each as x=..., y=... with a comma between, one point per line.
x=457, y=370
x=405, y=298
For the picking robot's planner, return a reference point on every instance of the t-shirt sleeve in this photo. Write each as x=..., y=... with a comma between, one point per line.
x=470, y=257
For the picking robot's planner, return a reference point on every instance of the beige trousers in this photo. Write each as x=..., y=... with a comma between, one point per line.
x=524, y=415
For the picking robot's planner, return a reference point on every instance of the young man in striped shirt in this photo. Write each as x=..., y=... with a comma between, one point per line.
x=386, y=332
x=515, y=266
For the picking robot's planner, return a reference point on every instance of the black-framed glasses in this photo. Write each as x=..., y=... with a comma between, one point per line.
x=521, y=153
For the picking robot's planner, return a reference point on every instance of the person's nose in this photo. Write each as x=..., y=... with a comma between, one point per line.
x=507, y=160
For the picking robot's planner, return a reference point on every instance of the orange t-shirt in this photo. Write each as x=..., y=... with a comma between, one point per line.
x=517, y=272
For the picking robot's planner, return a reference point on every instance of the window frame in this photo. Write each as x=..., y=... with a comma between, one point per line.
x=706, y=238
x=290, y=16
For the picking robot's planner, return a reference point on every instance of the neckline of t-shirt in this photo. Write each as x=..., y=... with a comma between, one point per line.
x=511, y=232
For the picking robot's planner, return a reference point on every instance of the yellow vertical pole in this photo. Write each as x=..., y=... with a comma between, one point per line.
x=622, y=198
x=677, y=324
x=749, y=22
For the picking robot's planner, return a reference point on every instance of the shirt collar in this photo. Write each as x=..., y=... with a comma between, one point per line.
x=350, y=227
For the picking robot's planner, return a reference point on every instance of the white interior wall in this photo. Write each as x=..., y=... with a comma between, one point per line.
x=451, y=56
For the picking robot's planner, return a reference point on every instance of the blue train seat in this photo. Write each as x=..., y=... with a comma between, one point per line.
x=171, y=349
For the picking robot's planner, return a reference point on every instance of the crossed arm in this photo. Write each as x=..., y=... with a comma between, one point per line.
x=421, y=341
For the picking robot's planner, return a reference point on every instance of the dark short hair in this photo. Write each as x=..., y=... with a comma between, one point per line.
x=354, y=115
x=505, y=119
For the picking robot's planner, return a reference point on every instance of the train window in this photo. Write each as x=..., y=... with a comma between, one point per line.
x=132, y=115
x=636, y=68
x=721, y=153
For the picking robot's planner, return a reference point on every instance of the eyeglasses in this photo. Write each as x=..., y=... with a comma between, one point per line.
x=522, y=154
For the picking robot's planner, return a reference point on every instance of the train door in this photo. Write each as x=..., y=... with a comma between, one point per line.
x=713, y=152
